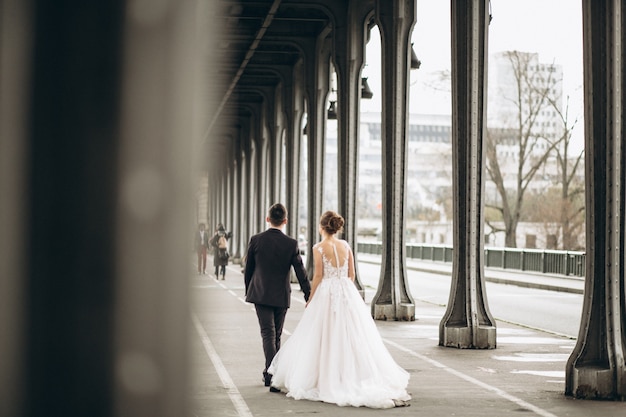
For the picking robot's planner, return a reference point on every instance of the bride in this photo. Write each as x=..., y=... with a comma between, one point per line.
x=335, y=353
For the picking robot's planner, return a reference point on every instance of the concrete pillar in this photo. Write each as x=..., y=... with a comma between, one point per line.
x=467, y=323
x=596, y=368
x=349, y=58
x=317, y=62
x=395, y=19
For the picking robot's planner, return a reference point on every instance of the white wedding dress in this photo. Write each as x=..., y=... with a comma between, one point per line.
x=335, y=353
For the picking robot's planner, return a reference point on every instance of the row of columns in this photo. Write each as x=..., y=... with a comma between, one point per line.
x=306, y=86
x=596, y=368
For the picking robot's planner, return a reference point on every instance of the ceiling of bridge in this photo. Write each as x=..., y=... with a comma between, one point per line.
x=256, y=37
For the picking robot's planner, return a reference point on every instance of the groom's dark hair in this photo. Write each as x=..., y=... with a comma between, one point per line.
x=277, y=214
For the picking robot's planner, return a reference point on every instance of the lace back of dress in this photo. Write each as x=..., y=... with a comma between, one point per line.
x=334, y=271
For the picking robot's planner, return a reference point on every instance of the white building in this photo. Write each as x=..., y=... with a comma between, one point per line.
x=525, y=97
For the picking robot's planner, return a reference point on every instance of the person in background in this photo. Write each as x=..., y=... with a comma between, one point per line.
x=219, y=241
x=201, y=243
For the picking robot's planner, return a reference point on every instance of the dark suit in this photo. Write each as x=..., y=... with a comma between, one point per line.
x=270, y=257
x=201, y=242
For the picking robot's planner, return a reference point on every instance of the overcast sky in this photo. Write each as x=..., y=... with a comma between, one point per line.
x=552, y=28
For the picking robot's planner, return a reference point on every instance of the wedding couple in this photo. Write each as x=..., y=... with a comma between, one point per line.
x=335, y=353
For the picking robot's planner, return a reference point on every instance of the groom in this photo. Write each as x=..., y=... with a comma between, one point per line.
x=271, y=254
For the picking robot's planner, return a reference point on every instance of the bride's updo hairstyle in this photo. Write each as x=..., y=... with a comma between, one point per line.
x=331, y=222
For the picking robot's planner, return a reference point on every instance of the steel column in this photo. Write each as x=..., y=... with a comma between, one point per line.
x=596, y=368
x=395, y=19
x=293, y=110
x=259, y=174
x=467, y=323
x=317, y=84
x=230, y=186
x=272, y=102
x=237, y=245
x=349, y=57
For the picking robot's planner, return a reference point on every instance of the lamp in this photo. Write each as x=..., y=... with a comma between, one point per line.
x=415, y=63
x=332, y=111
x=366, y=91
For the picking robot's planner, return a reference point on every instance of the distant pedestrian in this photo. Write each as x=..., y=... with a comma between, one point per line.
x=219, y=241
x=201, y=242
x=269, y=259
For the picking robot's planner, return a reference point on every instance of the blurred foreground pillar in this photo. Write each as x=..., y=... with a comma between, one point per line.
x=96, y=123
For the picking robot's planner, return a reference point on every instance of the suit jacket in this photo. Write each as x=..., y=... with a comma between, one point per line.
x=269, y=259
x=199, y=241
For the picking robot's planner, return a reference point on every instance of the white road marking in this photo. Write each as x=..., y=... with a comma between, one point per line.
x=540, y=357
x=487, y=387
x=231, y=388
x=530, y=341
x=550, y=374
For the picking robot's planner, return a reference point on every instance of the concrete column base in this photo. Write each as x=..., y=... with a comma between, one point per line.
x=405, y=312
x=595, y=383
x=462, y=338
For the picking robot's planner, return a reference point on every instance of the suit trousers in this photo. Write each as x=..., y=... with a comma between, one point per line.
x=201, y=259
x=271, y=320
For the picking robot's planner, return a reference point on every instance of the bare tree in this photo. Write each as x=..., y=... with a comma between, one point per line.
x=518, y=148
x=571, y=205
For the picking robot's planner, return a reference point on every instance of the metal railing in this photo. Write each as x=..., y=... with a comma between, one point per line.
x=535, y=260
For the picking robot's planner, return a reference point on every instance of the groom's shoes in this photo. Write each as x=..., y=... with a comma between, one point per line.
x=267, y=379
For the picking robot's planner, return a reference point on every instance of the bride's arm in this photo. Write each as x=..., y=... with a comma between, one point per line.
x=351, y=271
x=317, y=274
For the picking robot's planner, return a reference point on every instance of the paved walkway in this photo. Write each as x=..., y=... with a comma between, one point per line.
x=523, y=376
